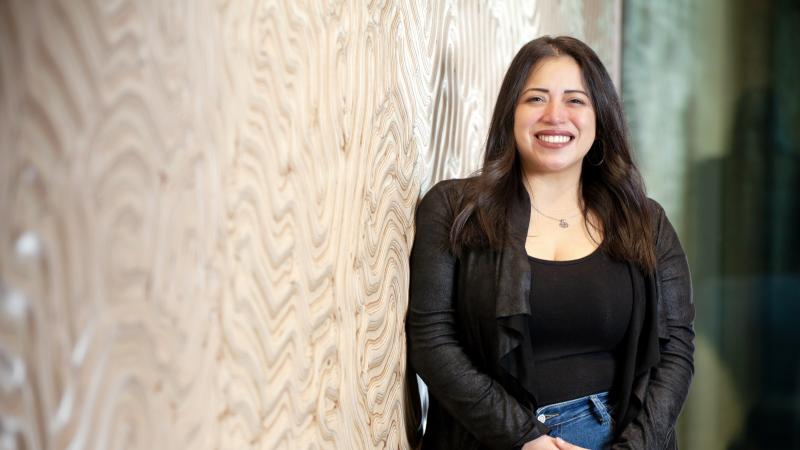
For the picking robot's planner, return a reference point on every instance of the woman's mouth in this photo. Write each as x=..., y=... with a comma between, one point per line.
x=551, y=140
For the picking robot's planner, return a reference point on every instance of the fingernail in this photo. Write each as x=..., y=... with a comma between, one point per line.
x=559, y=440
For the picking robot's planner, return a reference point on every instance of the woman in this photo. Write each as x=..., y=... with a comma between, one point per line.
x=550, y=303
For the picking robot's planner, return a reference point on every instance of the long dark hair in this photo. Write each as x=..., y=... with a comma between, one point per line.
x=612, y=188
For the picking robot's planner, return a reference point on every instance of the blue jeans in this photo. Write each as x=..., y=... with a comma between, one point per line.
x=585, y=421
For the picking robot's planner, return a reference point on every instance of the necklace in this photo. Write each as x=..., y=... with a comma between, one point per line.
x=562, y=222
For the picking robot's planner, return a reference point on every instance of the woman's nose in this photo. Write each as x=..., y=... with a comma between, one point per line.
x=554, y=113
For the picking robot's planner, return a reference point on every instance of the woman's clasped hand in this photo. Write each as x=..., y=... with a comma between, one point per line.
x=550, y=443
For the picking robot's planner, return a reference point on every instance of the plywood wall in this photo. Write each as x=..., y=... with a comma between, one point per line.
x=206, y=208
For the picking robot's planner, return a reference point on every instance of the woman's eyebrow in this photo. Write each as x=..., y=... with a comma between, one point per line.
x=547, y=91
x=573, y=91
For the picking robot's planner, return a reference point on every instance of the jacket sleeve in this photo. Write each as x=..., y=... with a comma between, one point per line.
x=472, y=397
x=669, y=381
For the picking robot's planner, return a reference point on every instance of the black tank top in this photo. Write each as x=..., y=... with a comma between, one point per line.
x=580, y=314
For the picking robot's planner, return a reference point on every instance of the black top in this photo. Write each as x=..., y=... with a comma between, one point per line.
x=580, y=310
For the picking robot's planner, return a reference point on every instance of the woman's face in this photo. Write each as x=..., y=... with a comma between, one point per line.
x=554, y=121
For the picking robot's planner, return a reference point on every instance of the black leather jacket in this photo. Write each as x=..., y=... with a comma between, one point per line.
x=469, y=339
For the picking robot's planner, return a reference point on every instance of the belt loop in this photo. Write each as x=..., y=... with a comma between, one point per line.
x=600, y=409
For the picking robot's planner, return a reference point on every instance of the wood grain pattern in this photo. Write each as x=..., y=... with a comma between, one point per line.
x=208, y=208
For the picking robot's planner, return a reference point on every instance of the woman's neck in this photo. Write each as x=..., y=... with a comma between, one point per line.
x=554, y=193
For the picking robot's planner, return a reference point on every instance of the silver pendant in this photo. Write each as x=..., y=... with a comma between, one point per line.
x=563, y=223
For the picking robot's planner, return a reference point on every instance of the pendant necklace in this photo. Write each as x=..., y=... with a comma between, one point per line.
x=562, y=222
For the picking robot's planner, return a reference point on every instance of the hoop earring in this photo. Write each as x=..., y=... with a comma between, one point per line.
x=603, y=158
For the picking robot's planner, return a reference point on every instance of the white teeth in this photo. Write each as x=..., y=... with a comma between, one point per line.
x=554, y=139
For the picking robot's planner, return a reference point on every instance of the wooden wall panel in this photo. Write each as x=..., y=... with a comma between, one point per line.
x=207, y=209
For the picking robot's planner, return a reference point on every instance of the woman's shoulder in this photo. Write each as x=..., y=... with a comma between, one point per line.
x=442, y=202
x=448, y=191
x=655, y=208
x=665, y=235
x=657, y=213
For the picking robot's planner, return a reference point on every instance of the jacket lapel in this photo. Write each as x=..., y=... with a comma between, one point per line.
x=512, y=304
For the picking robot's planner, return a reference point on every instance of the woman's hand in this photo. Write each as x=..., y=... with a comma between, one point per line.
x=549, y=443
x=564, y=445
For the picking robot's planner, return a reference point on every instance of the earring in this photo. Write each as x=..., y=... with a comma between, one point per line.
x=603, y=158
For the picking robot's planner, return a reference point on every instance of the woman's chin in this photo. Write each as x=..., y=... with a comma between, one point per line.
x=555, y=167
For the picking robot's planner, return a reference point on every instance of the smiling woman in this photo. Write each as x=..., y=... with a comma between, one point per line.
x=550, y=302
x=554, y=122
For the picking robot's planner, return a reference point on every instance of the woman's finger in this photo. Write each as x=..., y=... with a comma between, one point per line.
x=564, y=445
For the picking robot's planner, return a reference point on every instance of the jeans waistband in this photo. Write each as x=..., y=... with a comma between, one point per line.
x=600, y=395
x=594, y=404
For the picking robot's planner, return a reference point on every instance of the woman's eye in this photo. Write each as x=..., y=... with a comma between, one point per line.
x=577, y=101
x=535, y=99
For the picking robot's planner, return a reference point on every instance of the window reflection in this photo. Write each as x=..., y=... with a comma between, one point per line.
x=711, y=91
